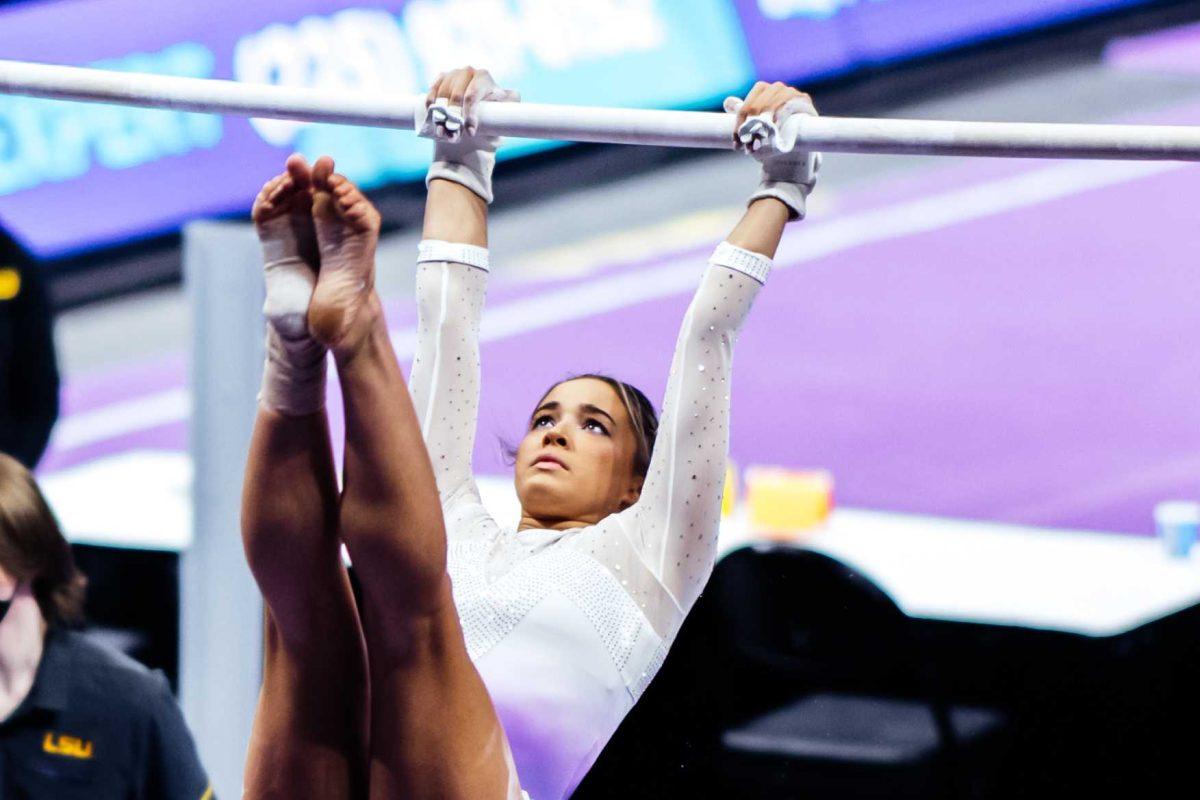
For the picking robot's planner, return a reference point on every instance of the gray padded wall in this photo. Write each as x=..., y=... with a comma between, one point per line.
x=221, y=626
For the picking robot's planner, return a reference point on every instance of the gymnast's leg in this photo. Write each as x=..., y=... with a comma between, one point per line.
x=434, y=731
x=310, y=728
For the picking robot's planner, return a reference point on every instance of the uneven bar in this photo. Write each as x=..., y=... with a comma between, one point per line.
x=611, y=125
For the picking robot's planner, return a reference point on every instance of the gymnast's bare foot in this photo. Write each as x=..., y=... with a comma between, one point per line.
x=343, y=307
x=282, y=216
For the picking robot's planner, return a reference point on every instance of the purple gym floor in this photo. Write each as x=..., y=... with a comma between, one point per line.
x=1174, y=50
x=1039, y=364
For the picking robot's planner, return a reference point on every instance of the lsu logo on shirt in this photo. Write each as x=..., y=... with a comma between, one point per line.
x=10, y=283
x=69, y=746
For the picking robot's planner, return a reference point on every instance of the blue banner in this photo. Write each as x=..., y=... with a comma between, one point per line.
x=75, y=175
x=798, y=39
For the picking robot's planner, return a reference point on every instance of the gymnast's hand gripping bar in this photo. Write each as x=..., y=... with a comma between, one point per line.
x=611, y=125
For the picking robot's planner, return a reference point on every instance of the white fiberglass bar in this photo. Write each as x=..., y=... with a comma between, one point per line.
x=612, y=125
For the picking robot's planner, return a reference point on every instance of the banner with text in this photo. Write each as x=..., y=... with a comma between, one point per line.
x=74, y=176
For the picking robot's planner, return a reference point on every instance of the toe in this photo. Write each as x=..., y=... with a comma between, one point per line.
x=322, y=171
x=264, y=203
x=299, y=171
x=281, y=189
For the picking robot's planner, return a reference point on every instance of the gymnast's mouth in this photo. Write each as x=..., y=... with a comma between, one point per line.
x=550, y=462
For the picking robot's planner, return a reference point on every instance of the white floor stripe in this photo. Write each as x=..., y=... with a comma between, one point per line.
x=801, y=243
x=121, y=419
x=807, y=243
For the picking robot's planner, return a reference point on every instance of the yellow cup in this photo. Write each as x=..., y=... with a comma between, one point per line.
x=786, y=501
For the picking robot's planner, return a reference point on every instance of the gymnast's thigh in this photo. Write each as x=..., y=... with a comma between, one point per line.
x=309, y=738
x=434, y=729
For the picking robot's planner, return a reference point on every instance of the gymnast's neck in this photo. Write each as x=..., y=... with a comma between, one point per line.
x=551, y=523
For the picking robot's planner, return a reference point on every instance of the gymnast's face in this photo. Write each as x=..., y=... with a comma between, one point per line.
x=575, y=463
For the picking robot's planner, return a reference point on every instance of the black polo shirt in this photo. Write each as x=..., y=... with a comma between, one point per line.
x=97, y=725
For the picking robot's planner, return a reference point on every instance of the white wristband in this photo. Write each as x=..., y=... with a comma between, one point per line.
x=755, y=265
x=454, y=252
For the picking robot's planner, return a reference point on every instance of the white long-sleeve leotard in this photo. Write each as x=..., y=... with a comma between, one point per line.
x=568, y=627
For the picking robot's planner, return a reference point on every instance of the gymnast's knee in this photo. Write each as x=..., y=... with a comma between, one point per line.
x=412, y=625
x=282, y=553
x=409, y=551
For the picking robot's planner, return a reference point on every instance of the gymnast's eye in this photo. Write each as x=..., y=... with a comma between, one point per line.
x=544, y=421
x=596, y=426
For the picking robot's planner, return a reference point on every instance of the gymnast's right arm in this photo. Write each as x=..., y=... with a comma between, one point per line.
x=452, y=271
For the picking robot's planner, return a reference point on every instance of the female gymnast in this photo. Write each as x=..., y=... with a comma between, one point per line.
x=477, y=654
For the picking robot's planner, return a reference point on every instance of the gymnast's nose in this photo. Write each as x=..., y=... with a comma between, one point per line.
x=555, y=436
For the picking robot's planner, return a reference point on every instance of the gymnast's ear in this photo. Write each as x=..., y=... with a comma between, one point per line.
x=632, y=493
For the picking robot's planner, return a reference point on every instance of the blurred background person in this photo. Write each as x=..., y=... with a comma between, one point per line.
x=28, y=364
x=75, y=716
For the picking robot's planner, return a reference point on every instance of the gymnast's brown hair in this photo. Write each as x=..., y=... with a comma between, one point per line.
x=637, y=405
x=33, y=548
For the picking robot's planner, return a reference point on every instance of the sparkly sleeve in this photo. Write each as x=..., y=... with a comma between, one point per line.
x=444, y=380
x=674, y=523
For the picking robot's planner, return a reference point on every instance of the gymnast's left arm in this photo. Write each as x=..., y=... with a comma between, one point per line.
x=674, y=523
